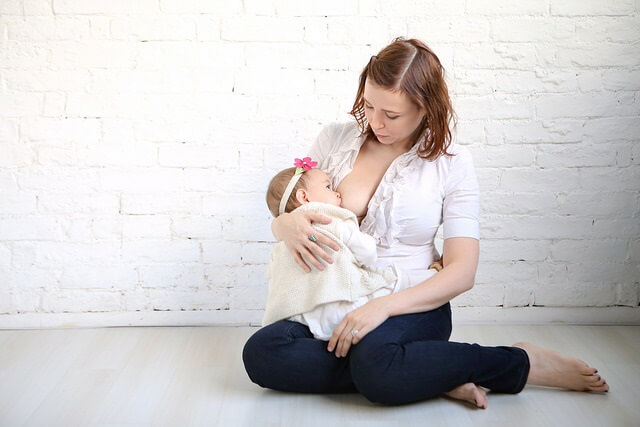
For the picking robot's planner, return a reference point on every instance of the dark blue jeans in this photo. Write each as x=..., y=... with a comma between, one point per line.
x=406, y=359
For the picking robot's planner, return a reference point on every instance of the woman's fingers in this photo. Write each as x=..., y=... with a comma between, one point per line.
x=322, y=219
x=298, y=258
x=307, y=256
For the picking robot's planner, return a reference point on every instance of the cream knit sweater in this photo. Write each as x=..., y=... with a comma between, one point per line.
x=292, y=291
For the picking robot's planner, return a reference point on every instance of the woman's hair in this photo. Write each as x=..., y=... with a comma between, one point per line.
x=411, y=67
x=276, y=188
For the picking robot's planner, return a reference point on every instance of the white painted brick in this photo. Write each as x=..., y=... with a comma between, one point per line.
x=5, y=258
x=259, y=7
x=265, y=81
x=628, y=294
x=160, y=251
x=315, y=29
x=539, y=180
x=256, y=253
x=28, y=301
x=251, y=289
x=172, y=276
x=79, y=301
x=507, y=107
x=24, y=254
x=141, y=179
x=503, y=156
x=136, y=300
x=31, y=28
x=160, y=55
x=250, y=156
x=594, y=252
x=208, y=28
x=220, y=276
x=56, y=131
x=615, y=228
x=16, y=155
x=233, y=204
x=353, y=30
x=484, y=295
x=127, y=153
x=262, y=29
x=106, y=228
x=22, y=54
x=8, y=130
x=574, y=155
x=324, y=8
x=635, y=155
x=590, y=81
x=197, y=227
x=70, y=27
x=146, y=227
x=57, y=156
x=333, y=82
x=473, y=82
x=589, y=55
x=518, y=203
x=519, y=294
x=248, y=229
x=98, y=277
x=601, y=179
x=61, y=179
x=11, y=7
x=38, y=7
x=530, y=227
x=58, y=253
x=512, y=81
x=219, y=7
x=33, y=278
x=579, y=105
x=54, y=104
x=220, y=252
x=29, y=228
x=78, y=203
x=297, y=55
x=527, y=131
x=158, y=28
x=19, y=104
x=80, y=54
x=617, y=79
x=191, y=155
x=164, y=202
x=178, y=300
x=97, y=7
x=99, y=26
x=597, y=204
x=591, y=7
x=505, y=7
x=489, y=179
x=618, y=29
x=470, y=131
x=223, y=182
x=444, y=29
x=506, y=272
x=539, y=29
x=7, y=305
x=505, y=250
x=562, y=292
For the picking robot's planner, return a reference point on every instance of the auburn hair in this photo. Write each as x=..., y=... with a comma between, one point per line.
x=411, y=67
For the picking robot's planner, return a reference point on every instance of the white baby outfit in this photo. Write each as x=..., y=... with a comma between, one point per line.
x=320, y=299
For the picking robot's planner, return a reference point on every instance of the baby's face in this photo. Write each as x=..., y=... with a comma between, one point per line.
x=319, y=188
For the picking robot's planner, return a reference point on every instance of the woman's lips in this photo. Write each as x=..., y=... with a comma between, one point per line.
x=380, y=136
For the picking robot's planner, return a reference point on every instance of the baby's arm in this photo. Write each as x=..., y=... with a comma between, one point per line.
x=361, y=244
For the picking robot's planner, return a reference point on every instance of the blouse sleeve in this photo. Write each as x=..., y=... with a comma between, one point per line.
x=461, y=206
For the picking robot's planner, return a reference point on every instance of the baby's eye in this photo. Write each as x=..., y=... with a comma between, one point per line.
x=329, y=187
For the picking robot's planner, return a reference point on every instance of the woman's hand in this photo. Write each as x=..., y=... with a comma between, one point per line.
x=358, y=323
x=294, y=229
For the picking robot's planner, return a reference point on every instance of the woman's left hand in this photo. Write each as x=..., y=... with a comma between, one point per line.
x=358, y=323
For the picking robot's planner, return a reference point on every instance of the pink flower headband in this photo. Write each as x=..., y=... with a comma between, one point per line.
x=302, y=165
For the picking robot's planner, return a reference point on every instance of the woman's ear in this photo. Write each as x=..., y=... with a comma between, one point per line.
x=301, y=196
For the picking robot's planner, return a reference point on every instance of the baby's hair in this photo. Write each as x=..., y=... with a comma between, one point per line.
x=276, y=189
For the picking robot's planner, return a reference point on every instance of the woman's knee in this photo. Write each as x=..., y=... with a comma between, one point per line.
x=372, y=372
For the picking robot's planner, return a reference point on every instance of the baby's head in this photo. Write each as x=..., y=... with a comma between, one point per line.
x=313, y=185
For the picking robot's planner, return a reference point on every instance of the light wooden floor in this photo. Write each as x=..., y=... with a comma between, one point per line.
x=194, y=376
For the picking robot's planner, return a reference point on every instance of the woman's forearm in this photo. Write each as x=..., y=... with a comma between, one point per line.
x=450, y=282
x=275, y=226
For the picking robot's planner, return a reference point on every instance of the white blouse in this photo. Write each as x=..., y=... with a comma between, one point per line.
x=413, y=199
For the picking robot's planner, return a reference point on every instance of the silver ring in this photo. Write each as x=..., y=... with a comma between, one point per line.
x=354, y=332
x=313, y=238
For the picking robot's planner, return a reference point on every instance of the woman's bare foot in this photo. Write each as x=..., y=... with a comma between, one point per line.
x=552, y=369
x=471, y=393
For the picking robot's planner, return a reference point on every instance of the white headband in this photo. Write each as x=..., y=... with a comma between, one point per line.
x=287, y=191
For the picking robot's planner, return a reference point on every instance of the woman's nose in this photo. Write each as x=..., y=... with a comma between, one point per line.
x=376, y=122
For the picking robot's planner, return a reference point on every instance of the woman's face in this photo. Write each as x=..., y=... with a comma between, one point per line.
x=391, y=115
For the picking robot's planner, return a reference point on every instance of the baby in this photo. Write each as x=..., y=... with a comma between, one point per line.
x=320, y=299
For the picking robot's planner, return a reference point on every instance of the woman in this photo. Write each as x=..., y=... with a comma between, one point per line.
x=396, y=168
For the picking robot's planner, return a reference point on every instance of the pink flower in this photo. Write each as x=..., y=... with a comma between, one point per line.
x=306, y=163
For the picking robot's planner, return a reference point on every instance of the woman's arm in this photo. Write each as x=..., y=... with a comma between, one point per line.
x=294, y=229
x=460, y=259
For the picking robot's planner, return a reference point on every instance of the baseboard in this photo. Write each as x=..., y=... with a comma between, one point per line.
x=461, y=315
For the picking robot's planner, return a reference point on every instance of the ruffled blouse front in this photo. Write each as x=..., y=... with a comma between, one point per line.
x=414, y=197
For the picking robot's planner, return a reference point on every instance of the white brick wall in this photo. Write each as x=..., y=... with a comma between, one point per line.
x=137, y=139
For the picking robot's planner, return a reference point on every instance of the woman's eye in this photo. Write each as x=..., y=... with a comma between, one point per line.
x=392, y=117
x=368, y=106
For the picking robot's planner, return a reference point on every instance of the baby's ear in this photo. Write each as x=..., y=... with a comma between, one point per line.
x=301, y=196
